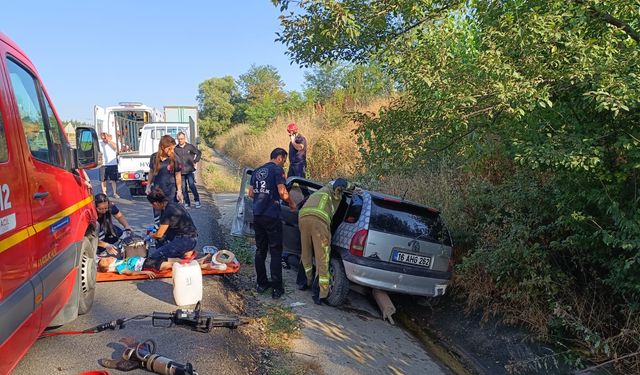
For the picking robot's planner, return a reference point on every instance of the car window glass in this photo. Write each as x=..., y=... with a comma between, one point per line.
x=56, y=137
x=26, y=96
x=354, y=210
x=4, y=150
x=407, y=220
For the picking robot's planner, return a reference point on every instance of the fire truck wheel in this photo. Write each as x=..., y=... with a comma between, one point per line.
x=87, y=283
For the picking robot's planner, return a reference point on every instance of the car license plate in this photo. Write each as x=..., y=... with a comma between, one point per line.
x=418, y=260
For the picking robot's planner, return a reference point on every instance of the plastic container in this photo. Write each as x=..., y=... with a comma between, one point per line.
x=187, y=283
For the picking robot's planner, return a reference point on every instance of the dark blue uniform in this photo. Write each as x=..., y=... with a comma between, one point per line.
x=266, y=221
x=298, y=159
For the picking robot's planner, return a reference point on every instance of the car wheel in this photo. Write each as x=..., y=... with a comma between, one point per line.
x=339, y=286
x=87, y=284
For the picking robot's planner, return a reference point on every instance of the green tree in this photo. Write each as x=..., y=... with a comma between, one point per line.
x=323, y=81
x=263, y=94
x=260, y=81
x=540, y=100
x=215, y=104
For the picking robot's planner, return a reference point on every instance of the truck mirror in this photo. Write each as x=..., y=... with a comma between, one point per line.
x=86, y=148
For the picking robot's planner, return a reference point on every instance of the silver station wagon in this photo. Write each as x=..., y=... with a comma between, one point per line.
x=379, y=241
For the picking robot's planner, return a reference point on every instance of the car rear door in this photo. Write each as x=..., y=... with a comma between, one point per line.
x=405, y=233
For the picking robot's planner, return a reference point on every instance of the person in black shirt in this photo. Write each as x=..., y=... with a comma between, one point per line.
x=190, y=156
x=165, y=172
x=267, y=189
x=297, y=152
x=176, y=234
x=109, y=233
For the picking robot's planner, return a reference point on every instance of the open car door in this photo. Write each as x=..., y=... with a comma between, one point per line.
x=242, y=224
x=290, y=230
x=100, y=119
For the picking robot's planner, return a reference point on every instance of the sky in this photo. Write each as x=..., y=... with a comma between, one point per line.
x=154, y=52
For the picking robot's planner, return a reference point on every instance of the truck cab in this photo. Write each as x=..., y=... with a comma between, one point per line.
x=47, y=216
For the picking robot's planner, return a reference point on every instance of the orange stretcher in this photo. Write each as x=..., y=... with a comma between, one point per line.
x=232, y=267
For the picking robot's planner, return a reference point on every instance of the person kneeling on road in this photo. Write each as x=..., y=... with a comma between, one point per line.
x=315, y=234
x=176, y=234
x=133, y=266
x=109, y=233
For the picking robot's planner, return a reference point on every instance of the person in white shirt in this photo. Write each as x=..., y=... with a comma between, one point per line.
x=109, y=169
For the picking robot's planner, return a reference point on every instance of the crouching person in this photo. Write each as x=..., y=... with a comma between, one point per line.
x=142, y=266
x=176, y=234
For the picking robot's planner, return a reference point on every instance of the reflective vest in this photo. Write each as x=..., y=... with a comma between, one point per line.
x=321, y=204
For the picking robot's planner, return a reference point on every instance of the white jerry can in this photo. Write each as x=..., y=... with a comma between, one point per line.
x=187, y=283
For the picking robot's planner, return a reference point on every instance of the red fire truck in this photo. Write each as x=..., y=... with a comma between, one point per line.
x=47, y=215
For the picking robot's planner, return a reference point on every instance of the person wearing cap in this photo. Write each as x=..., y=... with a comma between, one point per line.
x=314, y=221
x=297, y=152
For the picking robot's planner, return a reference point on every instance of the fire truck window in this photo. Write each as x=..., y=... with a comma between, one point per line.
x=55, y=135
x=4, y=152
x=26, y=97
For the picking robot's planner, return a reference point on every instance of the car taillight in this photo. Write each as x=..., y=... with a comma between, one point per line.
x=358, y=242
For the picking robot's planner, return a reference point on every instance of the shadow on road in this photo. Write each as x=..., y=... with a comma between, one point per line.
x=157, y=289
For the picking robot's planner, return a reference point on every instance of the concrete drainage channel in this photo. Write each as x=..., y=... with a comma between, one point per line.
x=433, y=345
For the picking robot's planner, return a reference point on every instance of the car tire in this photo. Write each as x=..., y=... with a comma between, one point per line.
x=339, y=289
x=87, y=277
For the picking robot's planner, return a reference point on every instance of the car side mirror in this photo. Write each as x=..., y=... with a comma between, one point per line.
x=87, y=149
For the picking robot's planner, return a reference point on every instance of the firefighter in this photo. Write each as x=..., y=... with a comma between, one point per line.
x=315, y=233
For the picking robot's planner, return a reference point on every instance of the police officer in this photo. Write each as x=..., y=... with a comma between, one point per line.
x=267, y=189
x=315, y=233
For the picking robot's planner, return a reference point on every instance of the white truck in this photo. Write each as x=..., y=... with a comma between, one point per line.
x=134, y=165
x=137, y=130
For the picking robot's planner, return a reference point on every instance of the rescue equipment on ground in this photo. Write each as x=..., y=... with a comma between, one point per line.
x=196, y=319
x=143, y=355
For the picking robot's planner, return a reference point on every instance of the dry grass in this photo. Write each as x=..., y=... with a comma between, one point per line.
x=217, y=176
x=333, y=151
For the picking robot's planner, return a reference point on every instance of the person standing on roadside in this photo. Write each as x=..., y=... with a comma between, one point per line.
x=109, y=168
x=267, y=190
x=297, y=167
x=297, y=152
x=190, y=156
x=165, y=173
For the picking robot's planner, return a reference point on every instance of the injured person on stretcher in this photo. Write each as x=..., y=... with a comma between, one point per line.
x=142, y=266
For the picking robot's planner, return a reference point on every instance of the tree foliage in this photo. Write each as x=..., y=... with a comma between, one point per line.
x=215, y=97
x=540, y=102
x=262, y=89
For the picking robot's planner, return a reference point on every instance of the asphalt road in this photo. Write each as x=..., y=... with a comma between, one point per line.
x=221, y=351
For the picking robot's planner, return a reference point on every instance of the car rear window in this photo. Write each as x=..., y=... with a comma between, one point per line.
x=408, y=220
